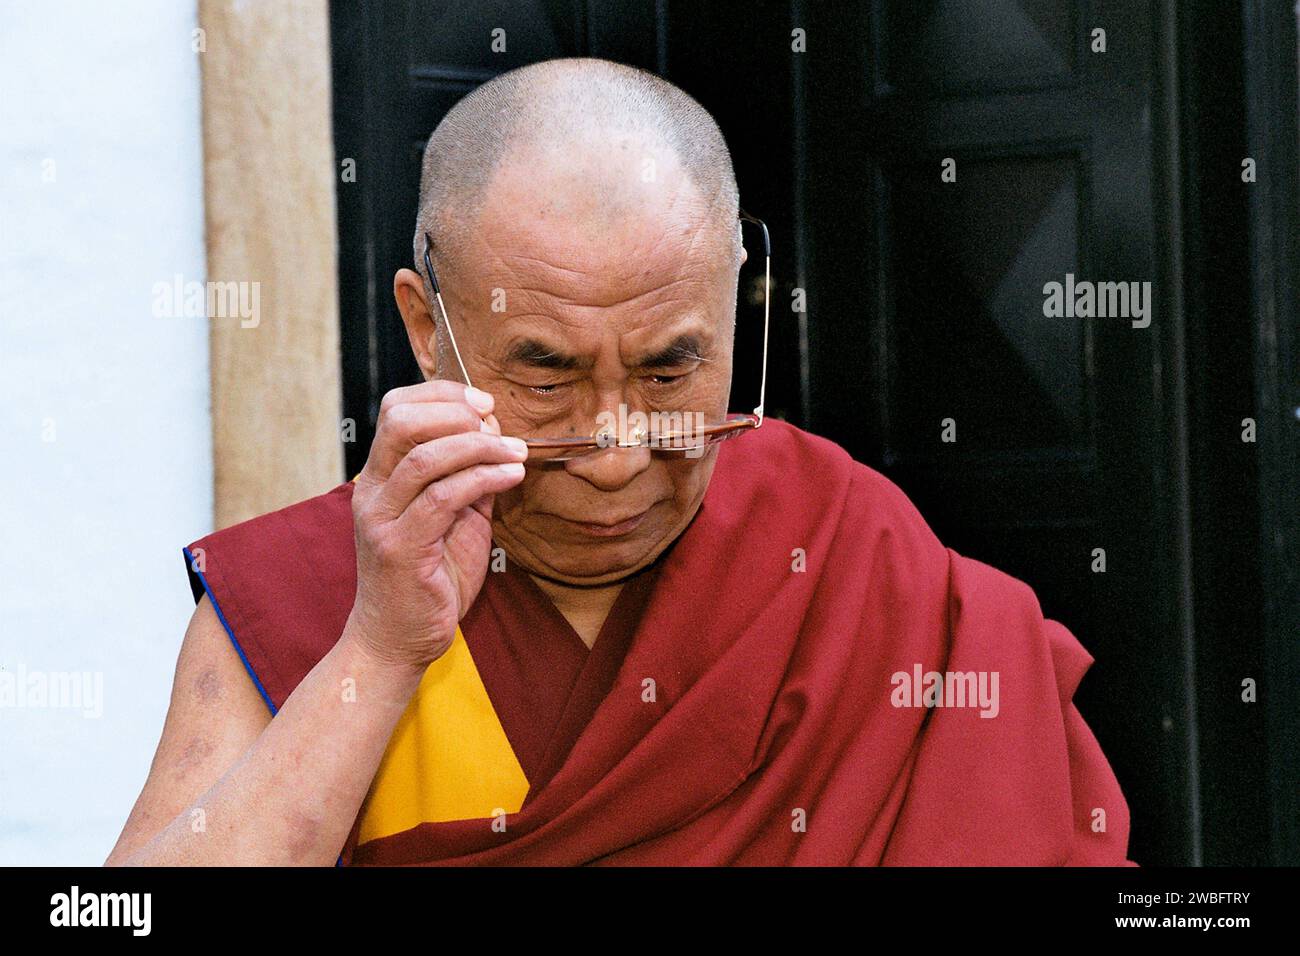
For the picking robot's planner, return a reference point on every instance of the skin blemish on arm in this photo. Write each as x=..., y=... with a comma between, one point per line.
x=304, y=830
x=208, y=685
x=196, y=752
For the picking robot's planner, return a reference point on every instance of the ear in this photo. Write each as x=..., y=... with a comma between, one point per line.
x=421, y=330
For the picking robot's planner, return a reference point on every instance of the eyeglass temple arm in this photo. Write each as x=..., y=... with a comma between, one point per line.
x=437, y=294
x=767, y=303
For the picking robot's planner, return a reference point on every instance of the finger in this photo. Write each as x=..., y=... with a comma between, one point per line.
x=436, y=507
x=405, y=425
x=437, y=459
x=436, y=390
x=484, y=506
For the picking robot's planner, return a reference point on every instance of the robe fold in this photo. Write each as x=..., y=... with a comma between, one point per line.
x=806, y=676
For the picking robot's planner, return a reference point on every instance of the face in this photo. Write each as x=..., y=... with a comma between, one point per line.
x=593, y=280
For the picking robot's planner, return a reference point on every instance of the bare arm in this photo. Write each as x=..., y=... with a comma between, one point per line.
x=230, y=785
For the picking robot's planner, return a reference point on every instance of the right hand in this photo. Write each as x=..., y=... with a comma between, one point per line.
x=422, y=515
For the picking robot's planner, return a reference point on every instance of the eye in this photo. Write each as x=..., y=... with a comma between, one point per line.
x=551, y=389
x=666, y=381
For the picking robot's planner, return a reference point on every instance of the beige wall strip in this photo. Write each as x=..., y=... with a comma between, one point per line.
x=269, y=178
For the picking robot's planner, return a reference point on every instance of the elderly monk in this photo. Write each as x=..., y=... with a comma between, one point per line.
x=525, y=634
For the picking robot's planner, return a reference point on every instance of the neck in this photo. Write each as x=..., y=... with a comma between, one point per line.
x=584, y=607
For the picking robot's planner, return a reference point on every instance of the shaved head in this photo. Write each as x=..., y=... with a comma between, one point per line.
x=601, y=116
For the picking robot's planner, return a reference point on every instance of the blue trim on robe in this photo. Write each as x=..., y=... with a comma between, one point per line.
x=189, y=563
x=195, y=572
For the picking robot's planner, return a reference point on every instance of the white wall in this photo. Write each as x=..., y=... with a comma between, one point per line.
x=105, y=448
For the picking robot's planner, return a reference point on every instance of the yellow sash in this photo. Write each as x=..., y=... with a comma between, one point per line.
x=448, y=758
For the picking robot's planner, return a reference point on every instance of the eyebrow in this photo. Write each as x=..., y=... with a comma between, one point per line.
x=539, y=355
x=683, y=350
x=686, y=349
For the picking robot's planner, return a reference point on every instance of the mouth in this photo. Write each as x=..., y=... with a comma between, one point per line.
x=609, y=529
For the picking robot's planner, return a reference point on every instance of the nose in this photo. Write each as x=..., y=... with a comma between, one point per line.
x=611, y=468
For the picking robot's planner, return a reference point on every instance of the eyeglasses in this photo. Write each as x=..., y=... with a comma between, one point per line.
x=674, y=433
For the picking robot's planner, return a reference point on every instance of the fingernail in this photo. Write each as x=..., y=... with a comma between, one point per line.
x=516, y=446
x=481, y=401
x=513, y=470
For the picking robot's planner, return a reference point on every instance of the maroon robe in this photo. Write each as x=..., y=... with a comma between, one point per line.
x=791, y=633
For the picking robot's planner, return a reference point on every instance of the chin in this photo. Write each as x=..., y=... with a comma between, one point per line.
x=579, y=560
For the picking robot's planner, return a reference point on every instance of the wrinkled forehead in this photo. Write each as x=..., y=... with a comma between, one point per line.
x=614, y=205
